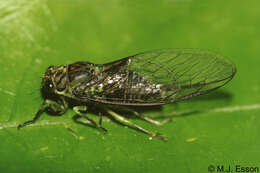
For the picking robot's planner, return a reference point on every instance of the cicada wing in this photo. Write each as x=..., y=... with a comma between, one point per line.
x=183, y=73
x=163, y=76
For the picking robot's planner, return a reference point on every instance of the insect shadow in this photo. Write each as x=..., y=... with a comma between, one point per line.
x=218, y=96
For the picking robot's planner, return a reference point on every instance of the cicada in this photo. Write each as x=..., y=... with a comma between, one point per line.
x=145, y=79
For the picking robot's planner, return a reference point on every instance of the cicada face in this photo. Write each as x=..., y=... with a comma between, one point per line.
x=54, y=80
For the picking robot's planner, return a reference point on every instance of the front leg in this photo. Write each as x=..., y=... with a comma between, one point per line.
x=51, y=106
x=35, y=118
x=79, y=111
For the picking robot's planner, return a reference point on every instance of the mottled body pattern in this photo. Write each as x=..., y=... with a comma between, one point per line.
x=114, y=84
x=146, y=79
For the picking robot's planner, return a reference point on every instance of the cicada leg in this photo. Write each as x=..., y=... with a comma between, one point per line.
x=147, y=119
x=79, y=111
x=53, y=106
x=130, y=124
x=36, y=117
x=100, y=122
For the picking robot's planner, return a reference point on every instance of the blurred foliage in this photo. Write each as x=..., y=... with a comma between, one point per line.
x=222, y=128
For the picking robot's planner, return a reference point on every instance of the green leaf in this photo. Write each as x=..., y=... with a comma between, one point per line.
x=221, y=128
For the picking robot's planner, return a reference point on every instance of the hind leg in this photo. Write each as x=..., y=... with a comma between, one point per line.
x=130, y=124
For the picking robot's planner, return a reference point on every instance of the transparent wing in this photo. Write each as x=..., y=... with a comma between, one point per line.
x=164, y=76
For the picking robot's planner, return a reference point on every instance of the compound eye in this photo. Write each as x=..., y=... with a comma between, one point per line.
x=48, y=86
